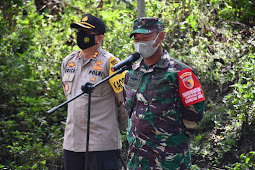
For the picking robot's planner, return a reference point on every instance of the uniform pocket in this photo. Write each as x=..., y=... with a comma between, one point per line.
x=68, y=82
x=97, y=92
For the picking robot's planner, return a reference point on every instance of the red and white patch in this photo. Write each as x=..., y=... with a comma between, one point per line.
x=190, y=89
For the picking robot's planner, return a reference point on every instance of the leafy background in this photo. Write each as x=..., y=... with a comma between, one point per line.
x=215, y=37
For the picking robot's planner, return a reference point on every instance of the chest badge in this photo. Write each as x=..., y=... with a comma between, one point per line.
x=67, y=77
x=66, y=87
x=97, y=67
x=71, y=64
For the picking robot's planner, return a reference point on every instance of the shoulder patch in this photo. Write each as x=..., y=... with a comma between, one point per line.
x=69, y=58
x=116, y=81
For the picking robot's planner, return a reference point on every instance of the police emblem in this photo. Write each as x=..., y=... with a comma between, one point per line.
x=86, y=40
x=85, y=18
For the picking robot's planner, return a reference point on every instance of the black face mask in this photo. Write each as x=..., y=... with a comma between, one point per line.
x=85, y=40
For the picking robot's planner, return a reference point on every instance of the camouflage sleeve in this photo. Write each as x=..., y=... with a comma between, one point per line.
x=192, y=115
x=122, y=116
x=193, y=100
x=128, y=103
x=124, y=85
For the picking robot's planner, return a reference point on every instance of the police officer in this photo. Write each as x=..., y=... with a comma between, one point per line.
x=165, y=102
x=92, y=64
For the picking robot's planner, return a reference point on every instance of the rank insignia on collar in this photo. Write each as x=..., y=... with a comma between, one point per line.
x=97, y=67
x=95, y=55
x=71, y=64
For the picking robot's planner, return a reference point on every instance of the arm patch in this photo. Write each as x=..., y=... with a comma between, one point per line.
x=190, y=89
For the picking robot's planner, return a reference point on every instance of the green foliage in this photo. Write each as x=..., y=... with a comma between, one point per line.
x=120, y=30
x=239, y=102
x=30, y=139
x=240, y=10
x=246, y=162
x=214, y=37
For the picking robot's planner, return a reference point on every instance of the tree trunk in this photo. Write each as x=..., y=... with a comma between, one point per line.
x=140, y=8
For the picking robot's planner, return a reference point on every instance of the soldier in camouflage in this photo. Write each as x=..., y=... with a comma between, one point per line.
x=164, y=100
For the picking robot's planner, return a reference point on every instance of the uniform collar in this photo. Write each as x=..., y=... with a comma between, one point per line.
x=97, y=53
x=94, y=56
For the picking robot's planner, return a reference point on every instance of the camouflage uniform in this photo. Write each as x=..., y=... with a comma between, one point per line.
x=157, y=136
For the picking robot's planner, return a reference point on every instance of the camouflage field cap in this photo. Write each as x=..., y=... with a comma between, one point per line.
x=90, y=22
x=146, y=25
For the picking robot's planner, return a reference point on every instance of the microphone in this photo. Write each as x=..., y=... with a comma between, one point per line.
x=128, y=61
